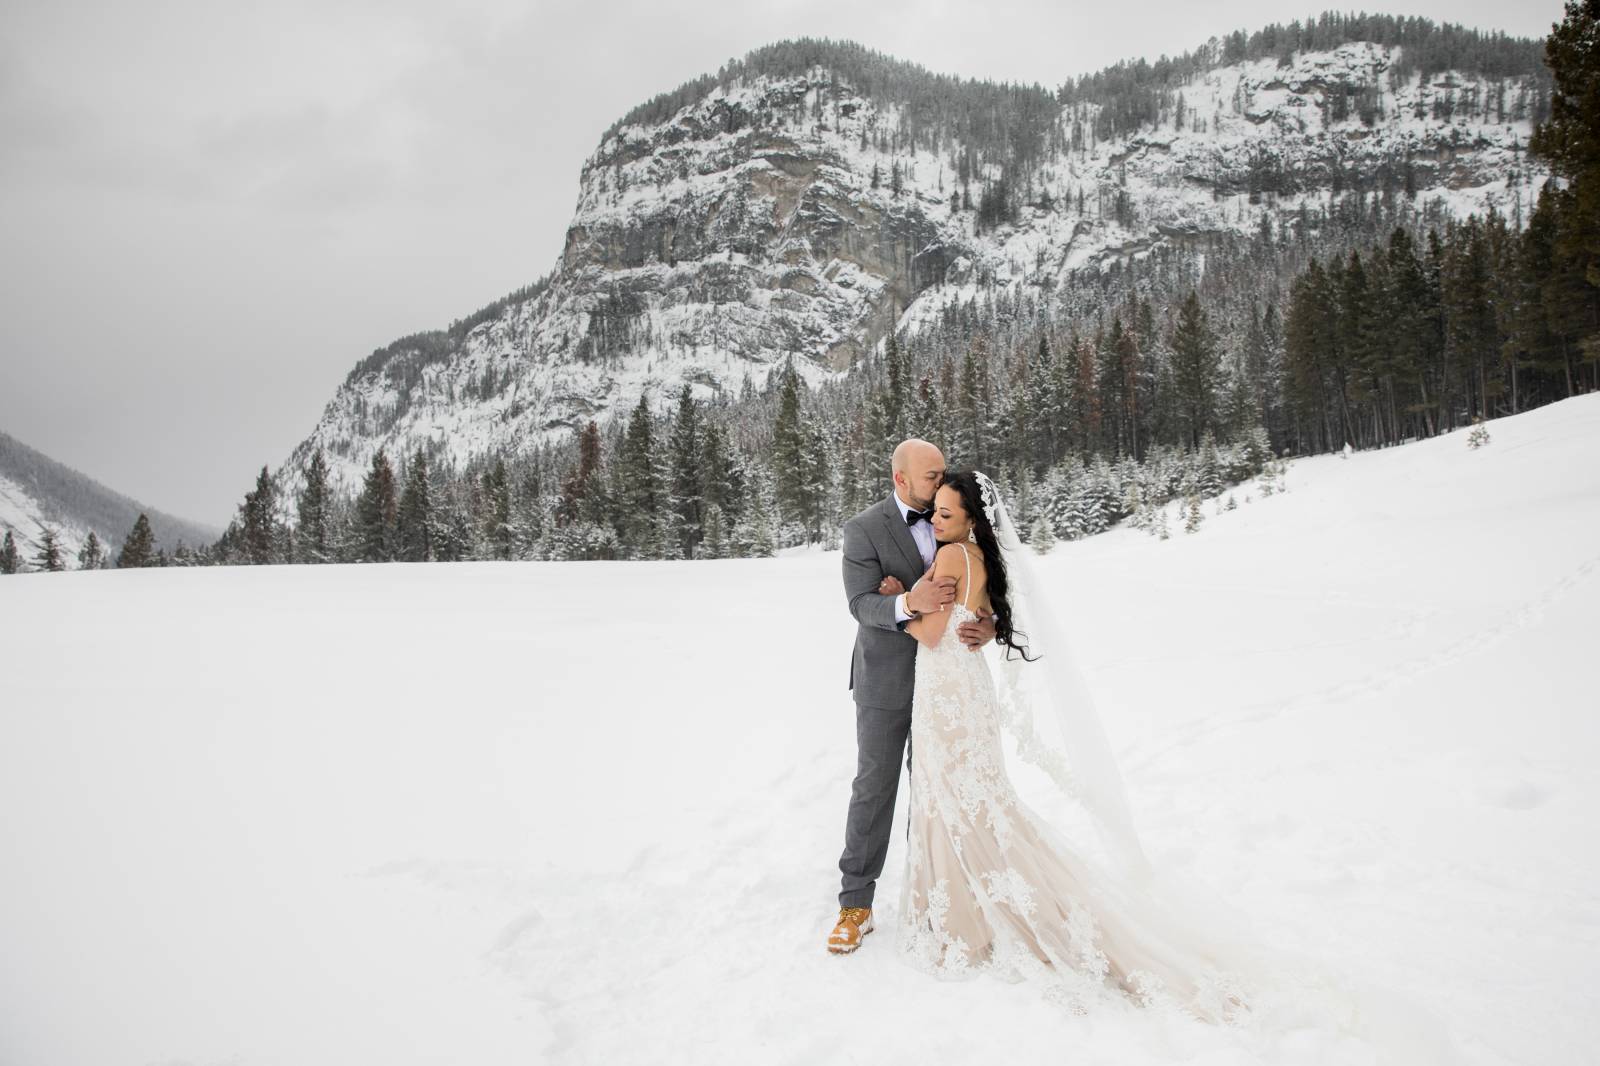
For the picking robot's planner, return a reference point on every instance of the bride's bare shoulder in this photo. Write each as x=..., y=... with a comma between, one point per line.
x=949, y=558
x=966, y=547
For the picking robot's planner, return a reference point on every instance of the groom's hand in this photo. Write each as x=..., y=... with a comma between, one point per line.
x=976, y=634
x=931, y=593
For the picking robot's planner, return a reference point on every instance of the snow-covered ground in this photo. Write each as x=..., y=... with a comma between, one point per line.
x=585, y=813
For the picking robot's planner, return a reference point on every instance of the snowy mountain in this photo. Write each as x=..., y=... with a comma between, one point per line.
x=36, y=491
x=759, y=216
x=488, y=815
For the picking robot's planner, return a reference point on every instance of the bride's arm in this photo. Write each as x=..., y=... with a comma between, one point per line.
x=929, y=628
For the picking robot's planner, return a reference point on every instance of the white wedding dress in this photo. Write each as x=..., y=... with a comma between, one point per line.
x=989, y=887
x=992, y=887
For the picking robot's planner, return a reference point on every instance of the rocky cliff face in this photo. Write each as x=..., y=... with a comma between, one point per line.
x=750, y=227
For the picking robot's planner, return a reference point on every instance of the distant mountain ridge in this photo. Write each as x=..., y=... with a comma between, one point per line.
x=807, y=199
x=38, y=491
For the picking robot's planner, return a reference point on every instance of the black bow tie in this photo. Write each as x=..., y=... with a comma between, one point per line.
x=913, y=517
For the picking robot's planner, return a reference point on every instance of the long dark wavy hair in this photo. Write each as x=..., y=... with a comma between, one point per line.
x=965, y=482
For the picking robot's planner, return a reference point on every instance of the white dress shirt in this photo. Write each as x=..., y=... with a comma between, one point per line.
x=927, y=544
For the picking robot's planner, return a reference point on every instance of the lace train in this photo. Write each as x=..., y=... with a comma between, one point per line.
x=989, y=887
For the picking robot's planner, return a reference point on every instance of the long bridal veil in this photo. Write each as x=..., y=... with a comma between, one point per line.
x=1085, y=768
x=1280, y=991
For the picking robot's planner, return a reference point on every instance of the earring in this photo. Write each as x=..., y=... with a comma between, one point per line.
x=972, y=535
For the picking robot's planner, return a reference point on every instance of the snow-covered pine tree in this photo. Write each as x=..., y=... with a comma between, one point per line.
x=686, y=479
x=496, y=511
x=816, y=476
x=1116, y=388
x=454, y=540
x=377, y=513
x=1208, y=467
x=48, y=557
x=638, y=491
x=583, y=528
x=336, y=522
x=1041, y=536
x=530, y=514
x=669, y=536
x=313, y=544
x=1133, y=504
x=1011, y=432
x=1107, y=492
x=1569, y=140
x=1126, y=486
x=715, y=544
x=788, y=442
x=1023, y=493
x=1091, y=516
x=965, y=449
x=724, y=482
x=9, y=560
x=414, y=516
x=343, y=538
x=926, y=419
x=258, y=521
x=755, y=535
x=92, y=555
x=1158, y=525
x=896, y=391
x=583, y=493
x=1195, y=367
x=1256, y=449
x=139, y=548
x=1052, y=501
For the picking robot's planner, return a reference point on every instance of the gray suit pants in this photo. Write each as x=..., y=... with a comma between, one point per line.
x=881, y=733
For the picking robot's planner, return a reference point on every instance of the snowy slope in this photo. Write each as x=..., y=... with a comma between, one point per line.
x=37, y=491
x=747, y=228
x=577, y=813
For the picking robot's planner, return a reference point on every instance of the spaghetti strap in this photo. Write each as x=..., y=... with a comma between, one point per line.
x=966, y=592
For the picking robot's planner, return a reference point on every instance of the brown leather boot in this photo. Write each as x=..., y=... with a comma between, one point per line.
x=854, y=923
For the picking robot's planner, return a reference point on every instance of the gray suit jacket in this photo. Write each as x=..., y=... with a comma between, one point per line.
x=878, y=544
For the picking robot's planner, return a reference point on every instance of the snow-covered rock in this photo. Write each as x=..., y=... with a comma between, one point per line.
x=746, y=228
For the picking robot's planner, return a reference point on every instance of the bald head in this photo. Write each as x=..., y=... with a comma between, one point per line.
x=918, y=471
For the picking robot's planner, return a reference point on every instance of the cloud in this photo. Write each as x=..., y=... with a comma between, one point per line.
x=306, y=157
x=285, y=111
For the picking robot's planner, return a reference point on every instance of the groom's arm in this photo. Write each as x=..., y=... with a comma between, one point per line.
x=863, y=571
x=976, y=634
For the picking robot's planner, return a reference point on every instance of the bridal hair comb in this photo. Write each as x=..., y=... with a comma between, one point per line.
x=989, y=493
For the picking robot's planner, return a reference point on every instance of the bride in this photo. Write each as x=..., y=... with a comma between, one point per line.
x=990, y=886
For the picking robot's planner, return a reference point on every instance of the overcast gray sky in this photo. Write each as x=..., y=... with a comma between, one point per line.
x=209, y=211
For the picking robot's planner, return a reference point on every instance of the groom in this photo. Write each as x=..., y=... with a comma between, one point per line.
x=886, y=548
